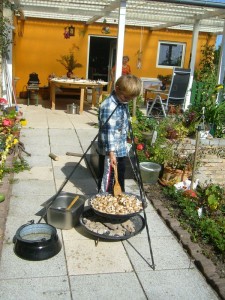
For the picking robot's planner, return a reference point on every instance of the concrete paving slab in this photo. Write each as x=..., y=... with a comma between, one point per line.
x=87, y=258
x=15, y=222
x=110, y=270
x=69, y=187
x=167, y=253
x=14, y=267
x=33, y=187
x=107, y=287
x=65, y=140
x=77, y=233
x=85, y=186
x=37, y=160
x=67, y=134
x=66, y=160
x=59, y=120
x=35, y=140
x=26, y=206
x=45, y=173
x=176, y=284
x=61, y=149
x=35, y=133
x=84, y=120
x=45, y=288
x=155, y=225
x=33, y=149
x=69, y=168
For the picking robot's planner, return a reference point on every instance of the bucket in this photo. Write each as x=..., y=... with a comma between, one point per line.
x=72, y=109
x=59, y=217
x=89, y=95
x=149, y=172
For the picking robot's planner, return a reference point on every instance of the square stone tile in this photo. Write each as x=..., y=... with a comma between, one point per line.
x=87, y=258
x=30, y=269
x=176, y=284
x=44, y=288
x=167, y=253
x=107, y=286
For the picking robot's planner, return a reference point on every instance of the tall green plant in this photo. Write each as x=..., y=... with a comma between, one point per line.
x=208, y=91
x=5, y=39
x=206, y=75
x=69, y=61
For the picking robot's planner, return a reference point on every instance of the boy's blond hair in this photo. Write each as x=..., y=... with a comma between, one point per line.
x=129, y=85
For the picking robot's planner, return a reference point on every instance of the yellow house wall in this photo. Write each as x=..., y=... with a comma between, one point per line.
x=38, y=43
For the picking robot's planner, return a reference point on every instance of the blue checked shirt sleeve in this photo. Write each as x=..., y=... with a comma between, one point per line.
x=113, y=133
x=107, y=130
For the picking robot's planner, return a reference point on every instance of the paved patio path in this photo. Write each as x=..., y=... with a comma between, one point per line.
x=81, y=270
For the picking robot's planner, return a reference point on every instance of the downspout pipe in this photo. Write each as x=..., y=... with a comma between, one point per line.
x=205, y=3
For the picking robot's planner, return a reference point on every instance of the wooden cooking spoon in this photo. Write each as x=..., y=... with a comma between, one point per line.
x=117, y=188
x=72, y=202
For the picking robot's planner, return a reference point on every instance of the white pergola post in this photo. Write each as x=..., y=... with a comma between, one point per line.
x=120, y=39
x=221, y=71
x=192, y=63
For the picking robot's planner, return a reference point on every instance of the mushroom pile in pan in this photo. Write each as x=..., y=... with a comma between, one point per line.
x=120, y=205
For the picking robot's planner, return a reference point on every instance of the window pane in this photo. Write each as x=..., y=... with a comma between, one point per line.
x=170, y=54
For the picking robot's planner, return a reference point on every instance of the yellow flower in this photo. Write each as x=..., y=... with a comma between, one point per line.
x=23, y=122
x=219, y=87
x=15, y=141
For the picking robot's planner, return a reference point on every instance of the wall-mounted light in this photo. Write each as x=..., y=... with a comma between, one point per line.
x=105, y=28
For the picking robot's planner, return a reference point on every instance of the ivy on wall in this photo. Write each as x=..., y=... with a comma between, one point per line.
x=5, y=23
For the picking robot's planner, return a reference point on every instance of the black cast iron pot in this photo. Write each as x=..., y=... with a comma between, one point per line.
x=36, y=241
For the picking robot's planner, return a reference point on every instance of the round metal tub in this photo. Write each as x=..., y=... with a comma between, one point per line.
x=36, y=241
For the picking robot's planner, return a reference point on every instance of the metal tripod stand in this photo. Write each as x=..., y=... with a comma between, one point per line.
x=136, y=170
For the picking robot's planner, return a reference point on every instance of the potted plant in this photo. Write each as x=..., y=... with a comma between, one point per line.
x=15, y=130
x=165, y=79
x=69, y=61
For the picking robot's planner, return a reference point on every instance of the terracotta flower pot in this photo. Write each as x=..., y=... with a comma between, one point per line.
x=175, y=175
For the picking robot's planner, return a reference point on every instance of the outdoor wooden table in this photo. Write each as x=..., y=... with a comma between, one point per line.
x=77, y=84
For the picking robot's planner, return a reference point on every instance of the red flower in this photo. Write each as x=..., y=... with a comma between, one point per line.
x=3, y=101
x=140, y=147
x=6, y=122
x=190, y=194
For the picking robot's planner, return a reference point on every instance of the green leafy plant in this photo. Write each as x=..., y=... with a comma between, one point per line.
x=5, y=41
x=69, y=61
x=17, y=167
x=210, y=95
x=208, y=228
x=213, y=197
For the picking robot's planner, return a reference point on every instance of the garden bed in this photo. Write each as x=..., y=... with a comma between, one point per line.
x=5, y=188
x=205, y=258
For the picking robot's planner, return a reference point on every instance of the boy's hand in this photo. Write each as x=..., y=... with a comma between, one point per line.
x=112, y=158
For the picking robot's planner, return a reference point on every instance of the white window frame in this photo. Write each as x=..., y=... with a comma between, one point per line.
x=171, y=43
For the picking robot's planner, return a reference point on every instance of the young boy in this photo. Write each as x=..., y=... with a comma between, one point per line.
x=113, y=130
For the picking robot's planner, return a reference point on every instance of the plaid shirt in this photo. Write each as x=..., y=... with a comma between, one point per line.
x=113, y=134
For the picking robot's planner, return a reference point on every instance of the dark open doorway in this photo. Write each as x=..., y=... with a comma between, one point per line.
x=102, y=53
